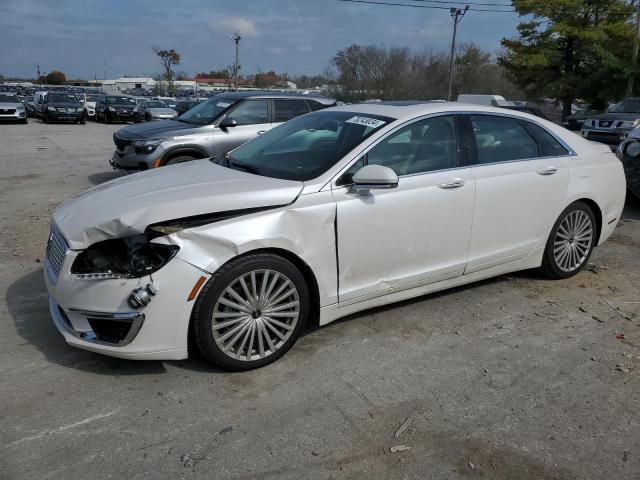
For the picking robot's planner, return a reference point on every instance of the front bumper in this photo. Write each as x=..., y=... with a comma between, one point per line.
x=65, y=115
x=130, y=161
x=18, y=115
x=611, y=136
x=94, y=314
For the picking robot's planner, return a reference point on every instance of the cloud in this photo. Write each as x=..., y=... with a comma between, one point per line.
x=276, y=50
x=242, y=25
x=307, y=47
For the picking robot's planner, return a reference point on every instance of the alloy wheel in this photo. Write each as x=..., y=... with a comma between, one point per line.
x=573, y=240
x=255, y=315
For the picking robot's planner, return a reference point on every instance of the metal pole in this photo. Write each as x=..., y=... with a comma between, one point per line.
x=634, y=54
x=236, y=38
x=457, y=15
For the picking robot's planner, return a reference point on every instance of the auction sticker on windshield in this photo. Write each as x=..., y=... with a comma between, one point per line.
x=366, y=121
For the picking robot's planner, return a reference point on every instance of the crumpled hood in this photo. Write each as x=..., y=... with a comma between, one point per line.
x=127, y=205
x=162, y=129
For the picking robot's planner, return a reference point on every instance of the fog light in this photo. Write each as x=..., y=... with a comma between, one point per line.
x=142, y=296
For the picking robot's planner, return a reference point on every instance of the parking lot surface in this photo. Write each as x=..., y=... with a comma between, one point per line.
x=517, y=377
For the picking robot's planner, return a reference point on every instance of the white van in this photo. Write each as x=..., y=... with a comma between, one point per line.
x=487, y=100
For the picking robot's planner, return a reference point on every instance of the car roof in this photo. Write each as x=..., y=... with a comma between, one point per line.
x=270, y=94
x=412, y=109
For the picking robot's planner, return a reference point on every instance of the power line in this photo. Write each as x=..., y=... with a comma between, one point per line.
x=443, y=7
x=413, y=5
x=466, y=3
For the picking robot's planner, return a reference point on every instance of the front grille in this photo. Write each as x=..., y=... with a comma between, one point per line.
x=7, y=111
x=605, y=123
x=121, y=143
x=56, y=250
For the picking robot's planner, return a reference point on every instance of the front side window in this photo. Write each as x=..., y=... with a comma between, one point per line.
x=305, y=147
x=628, y=105
x=251, y=112
x=501, y=139
x=424, y=146
x=288, y=109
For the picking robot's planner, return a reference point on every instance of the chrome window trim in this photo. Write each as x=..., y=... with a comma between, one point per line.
x=387, y=134
x=332, y=181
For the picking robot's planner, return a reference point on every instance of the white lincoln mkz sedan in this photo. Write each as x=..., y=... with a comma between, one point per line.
x=331, y=213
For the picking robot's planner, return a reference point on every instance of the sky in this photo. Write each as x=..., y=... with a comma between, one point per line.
x=293, y=36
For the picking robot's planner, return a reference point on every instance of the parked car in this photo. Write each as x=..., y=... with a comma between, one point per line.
x=90, y=101
x=59, y=106
x=487, y=100
x=156, y=110
x=117, y=108
x=209, y=129
x=184, y=105
x=612, y=127
x=629, y=154
x=576, y=120
x=30, y=106
x=12, y=109
x=331, y=213
x=526, y=109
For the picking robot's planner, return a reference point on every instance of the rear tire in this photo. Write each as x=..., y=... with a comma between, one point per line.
x=250, y=312
x=571, y=242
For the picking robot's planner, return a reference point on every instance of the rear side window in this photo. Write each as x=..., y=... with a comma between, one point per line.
x=288, y=109
x=251, y=112
x=549, y=145
x=315, y=105
x=501, y=139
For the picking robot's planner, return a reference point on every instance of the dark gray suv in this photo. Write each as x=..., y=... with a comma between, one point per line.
x=209, y=129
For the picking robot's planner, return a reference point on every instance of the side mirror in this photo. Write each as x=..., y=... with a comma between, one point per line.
x=228, y=122
x=373, y=177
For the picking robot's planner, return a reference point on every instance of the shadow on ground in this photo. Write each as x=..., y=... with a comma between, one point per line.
x=98, y=178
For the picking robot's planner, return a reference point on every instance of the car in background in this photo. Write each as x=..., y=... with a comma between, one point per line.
x=90, y=100
x=118, y=108
x=59, y=107
x=576, y=120
x=613, y=126
x=184, y=105
x=331, y=213
x=629, y=154
x=12, y=109
x=30, y=105
x=487, y=100
x=156, y=110
x=527, y=109
x=209, y=129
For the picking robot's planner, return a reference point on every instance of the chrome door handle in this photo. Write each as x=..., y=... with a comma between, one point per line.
x=455, y=183
x=261, y=132
x=548, y=171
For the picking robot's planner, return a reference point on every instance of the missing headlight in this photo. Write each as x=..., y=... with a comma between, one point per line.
x=127, y=257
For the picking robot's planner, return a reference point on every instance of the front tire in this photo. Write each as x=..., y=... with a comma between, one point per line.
x=571, y=242
x=251, y=312
x=180, y=159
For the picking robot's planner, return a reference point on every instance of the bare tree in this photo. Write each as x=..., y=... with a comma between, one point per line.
x=168, y=58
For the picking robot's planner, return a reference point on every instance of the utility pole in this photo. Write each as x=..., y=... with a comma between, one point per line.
x=634, y=53
x=38, y=68
x=236, y=38
x=456, y=14
x=104, y=64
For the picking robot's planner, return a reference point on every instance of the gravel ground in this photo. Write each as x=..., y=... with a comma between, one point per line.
x=517, y=377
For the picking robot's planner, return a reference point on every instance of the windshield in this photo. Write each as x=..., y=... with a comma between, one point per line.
x=62, y=97
x=630, y=105
x=8, y=98
x=206, y=112
x=93, y=98
x=156, y=105
x=120, y=101
x=305, y=147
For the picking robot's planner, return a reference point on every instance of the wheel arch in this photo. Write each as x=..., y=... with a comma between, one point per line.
x=190, y=150
x=597, y=211
x=304, y=268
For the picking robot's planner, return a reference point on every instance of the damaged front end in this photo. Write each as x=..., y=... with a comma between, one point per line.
x=134, y=256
